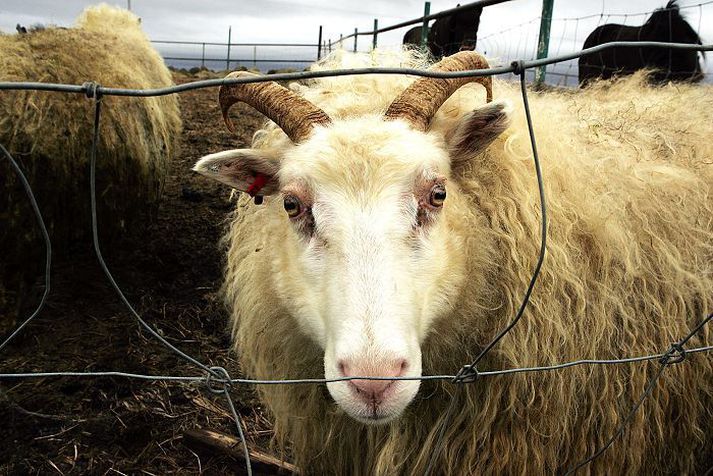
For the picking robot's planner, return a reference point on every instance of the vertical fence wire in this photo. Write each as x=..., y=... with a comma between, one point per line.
x=46, y=238
x=96, y=95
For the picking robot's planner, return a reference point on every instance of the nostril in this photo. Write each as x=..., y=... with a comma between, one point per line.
x=397, y=368
x=343, y=368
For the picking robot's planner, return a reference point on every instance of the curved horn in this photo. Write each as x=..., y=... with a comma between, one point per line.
x=420, y=101
x=294, y=114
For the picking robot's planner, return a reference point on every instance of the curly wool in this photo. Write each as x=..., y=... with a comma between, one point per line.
x=50, y=133
x=628, y=174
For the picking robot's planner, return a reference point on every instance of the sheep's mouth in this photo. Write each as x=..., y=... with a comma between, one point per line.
x=374, y=414
x=375, y=417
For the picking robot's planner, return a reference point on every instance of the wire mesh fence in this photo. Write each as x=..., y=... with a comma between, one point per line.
x=216, y=379
x=519, y=41
x=264, y=57
x=571, y=33
x=568, y=34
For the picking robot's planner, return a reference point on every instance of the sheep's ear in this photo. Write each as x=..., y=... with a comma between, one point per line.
x=249, y=170
x=478, y=129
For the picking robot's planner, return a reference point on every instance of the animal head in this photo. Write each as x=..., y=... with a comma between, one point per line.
x=669, y=25
x=456, y=32
x=367, y=262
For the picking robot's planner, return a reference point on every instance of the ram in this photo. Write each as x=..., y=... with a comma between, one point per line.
x=49, y=134
x=398, y=233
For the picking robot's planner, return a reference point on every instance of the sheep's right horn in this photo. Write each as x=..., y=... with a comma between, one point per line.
x=420, y=101
x=294, y=114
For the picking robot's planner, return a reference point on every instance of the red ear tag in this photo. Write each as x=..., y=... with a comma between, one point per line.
x=257, y=185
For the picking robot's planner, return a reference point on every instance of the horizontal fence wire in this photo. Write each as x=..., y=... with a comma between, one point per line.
x=208, y=43
x=216, y=379
x=515, y=66
x=626, y=15
x=506, y=43
x=595, y=15
x=240, y=60
x=319, y=381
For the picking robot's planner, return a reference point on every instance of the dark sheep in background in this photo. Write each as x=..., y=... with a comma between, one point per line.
x=449, y=34
x=665, y=25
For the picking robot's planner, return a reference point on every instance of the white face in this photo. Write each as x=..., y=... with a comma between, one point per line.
x=368, y=256
x=371, y=257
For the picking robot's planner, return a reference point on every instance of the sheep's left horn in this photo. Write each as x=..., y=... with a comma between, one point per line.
x=294, y=114
x=420, y=101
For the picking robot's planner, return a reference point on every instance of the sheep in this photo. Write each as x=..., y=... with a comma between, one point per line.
x=449, y=34
x=666, y=25
x=49, y=133
x=398, y=232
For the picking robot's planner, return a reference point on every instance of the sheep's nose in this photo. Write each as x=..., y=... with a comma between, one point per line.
x=372, y=391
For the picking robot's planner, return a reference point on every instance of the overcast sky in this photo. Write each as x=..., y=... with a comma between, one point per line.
x=299, y=20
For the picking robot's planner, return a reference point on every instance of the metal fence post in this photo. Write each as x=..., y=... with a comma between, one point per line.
x=543, y=42
x=355, y=39
x=424, y=27
x=319, y=43
x=227, y=58
x=203, y=57
x=330, y=45
x=376, y=27
x=254, y=56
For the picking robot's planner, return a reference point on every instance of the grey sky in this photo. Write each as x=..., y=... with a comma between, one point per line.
x=299, y=20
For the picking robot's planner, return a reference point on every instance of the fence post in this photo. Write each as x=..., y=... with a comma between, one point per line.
x=319, y=43
x=355, y=39
x=254, y=56
x=424, y=27
x=330, y=45
x=376, y=27
x=341, y=39
x=543, y=42
x=227, y=59
x=203, y=57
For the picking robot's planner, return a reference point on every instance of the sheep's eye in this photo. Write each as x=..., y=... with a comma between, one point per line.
x=293, y=206
x=438, y=196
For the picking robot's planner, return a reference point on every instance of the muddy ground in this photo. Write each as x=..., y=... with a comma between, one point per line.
x=171, y=271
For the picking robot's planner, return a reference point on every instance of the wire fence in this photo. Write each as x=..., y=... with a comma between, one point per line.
x=503, y=46
x=226, y=56
x=522, y=40
x=570, y=33
x=216, y=379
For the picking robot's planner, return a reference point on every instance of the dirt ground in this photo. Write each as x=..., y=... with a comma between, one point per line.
x=171, y=271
